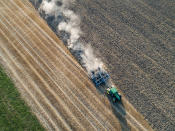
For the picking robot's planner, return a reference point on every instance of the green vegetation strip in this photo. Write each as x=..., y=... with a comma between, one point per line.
x=15, y=115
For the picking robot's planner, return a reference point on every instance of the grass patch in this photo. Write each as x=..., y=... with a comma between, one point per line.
x=15, y=115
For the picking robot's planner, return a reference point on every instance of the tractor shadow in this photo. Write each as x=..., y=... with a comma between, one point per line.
x=117, y=108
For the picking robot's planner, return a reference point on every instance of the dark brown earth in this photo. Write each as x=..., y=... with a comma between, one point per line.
x=136, y=41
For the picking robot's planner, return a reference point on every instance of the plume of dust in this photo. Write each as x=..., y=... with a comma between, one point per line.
x=72, y=26
x=91, y=62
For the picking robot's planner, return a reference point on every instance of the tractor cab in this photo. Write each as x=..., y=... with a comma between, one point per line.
x=112, y=91
x=99, y=77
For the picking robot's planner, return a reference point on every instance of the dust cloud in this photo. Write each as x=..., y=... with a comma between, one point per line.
x=70, y=24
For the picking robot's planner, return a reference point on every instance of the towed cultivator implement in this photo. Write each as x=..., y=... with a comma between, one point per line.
x=100, y=77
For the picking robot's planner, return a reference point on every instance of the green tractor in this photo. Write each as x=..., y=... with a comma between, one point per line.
x=112, y=91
